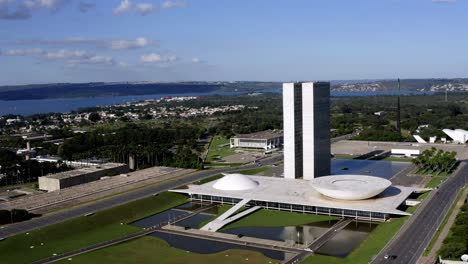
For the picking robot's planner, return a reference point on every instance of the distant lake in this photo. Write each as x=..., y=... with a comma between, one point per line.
x=62, y=105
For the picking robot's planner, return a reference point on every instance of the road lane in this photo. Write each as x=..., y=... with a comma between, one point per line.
x=412, y=241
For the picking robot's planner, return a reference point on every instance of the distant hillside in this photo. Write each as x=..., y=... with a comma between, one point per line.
x=73, y=90
x=422, y=85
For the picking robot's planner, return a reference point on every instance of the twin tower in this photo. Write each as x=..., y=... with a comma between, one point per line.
x=306, y=125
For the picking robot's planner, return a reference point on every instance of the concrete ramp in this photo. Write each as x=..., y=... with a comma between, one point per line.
x=233, y=209
x=226, y=217
x=419, y=139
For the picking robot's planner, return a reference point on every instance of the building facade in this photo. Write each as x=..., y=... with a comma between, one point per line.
x=269, y=139
x=54, y=182
x=306, y=124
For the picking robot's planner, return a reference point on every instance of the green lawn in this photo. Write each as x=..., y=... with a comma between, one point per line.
x=265, y=217
x=253, y=171
x=212, y=178
x=83, y=231
x=216, y=149
x=398, y=159
x=435, y=181
x=154, y=250
x=345, y=156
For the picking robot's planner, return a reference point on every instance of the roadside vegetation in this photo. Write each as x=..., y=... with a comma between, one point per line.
x=429, y=248
x=456, y=243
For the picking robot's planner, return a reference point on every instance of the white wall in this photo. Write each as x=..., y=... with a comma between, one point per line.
x=288, y=130
x=308, y=133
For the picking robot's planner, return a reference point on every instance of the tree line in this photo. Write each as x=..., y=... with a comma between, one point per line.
x=149, y=146
x=15, y=170
x=435, y=161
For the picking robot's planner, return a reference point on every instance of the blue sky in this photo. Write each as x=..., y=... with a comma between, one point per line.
x=44, y=41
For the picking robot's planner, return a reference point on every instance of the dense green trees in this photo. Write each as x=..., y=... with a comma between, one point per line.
x=435, y=161
x=94, y=117
x=15, y=170
x=379, y=134
x=150, y=146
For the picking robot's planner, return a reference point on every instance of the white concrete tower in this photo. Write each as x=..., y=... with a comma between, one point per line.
x=306, y=125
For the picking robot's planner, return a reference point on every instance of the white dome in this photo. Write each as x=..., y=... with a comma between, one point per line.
x=235, y=182
x=350, y=187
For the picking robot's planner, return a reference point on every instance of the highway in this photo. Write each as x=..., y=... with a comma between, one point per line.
x=414, y=237
x=64, y=215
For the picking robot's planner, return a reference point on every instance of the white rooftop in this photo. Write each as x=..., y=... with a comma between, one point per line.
x=297, y=191
x=235, y=182
x=350, y=187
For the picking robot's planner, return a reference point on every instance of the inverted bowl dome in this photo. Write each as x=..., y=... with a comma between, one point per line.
x=235, y=182
x=350, y=187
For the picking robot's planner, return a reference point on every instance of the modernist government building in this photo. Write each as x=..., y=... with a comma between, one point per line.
x=307, y=185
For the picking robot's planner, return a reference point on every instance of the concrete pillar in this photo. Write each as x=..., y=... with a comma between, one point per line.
x=131, y=162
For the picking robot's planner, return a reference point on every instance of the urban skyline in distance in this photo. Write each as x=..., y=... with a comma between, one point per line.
x=176, y=40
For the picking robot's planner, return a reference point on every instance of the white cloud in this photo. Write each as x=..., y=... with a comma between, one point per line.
x=66, y=55
x=173, y=4
x=124, y=7
x=196, y=60
x=52, y=5
x=69, y=57
x=123, y=64
x=130, y=44
x=444, y=1
x=23, y=9
x=10, y=9
x=59, y=42
x=145, y=8
x=127, y=6
x=116, y=44
x=157, y=58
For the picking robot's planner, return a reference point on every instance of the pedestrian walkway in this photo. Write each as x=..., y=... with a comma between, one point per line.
x=325, y=237
x=289, y=246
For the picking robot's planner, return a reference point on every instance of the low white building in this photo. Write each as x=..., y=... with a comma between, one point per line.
x=405, y=152
x=269, y=139
x=54, y=182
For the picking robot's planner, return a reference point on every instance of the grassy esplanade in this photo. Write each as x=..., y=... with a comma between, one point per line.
x=154, y=250
x=109, y=224
x=272, y=218
x=219, y=148
x=83, y=231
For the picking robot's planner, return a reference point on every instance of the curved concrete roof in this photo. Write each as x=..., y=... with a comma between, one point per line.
x=458, y=135
x=350, y=187
x=235, y=182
